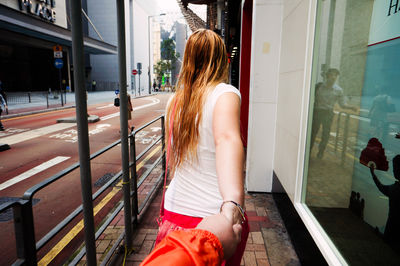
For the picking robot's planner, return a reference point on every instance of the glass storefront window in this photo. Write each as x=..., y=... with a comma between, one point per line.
x=351, y=184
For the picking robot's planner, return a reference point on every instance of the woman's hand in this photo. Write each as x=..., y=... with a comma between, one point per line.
x=228, y=234
x=232, y=213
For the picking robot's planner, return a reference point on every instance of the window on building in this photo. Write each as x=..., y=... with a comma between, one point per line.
x=354, y=125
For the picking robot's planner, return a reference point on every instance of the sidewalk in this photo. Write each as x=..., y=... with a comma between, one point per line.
x=19, y=108
x=268, y=242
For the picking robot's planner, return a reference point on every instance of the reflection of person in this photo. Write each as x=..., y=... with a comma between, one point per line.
x=392, y=228
x=213, y=240
x=94, y=85
x=3, y=104
x=381, y=106
x=2, y=92
x=327, y=93
x=207, y=153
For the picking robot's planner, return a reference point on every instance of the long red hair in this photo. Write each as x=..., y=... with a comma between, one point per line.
x=205, y=64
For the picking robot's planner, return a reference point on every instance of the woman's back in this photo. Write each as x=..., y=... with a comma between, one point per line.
x=194, y=189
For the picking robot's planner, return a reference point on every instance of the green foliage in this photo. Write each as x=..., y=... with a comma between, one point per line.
x=168, y=58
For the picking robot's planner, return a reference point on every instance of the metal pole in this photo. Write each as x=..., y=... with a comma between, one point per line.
x=124, y=121
x=148, y=28
x=163, y=143
x=345, y=137
x=61, y=92
x=25, y=232
x=83, y=132
x=135, y=207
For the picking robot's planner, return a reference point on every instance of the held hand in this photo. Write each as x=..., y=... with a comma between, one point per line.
x=221, y=227
x=232, y=213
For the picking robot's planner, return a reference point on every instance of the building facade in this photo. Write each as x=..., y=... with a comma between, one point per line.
x=323, y=110
x=30, y=31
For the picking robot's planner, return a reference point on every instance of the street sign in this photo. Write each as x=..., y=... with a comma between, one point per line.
x=58, y=54
x=140, y=71
x=116, y=92
x=58, y=63
x=57, y=48
x=134, y=72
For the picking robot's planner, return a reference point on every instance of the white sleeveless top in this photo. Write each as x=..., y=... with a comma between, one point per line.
x=194, y=190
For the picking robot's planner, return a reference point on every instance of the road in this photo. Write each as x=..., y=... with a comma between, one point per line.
x=41, y=147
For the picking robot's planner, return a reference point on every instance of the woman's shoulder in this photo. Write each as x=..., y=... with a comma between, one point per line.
x=222, y=88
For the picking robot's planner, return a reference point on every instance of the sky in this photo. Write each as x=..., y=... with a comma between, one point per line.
x=173, y=13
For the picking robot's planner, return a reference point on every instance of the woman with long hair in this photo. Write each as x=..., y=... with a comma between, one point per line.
x=206, y=152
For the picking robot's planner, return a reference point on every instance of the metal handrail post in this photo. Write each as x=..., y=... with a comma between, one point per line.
x=337, y=130
x=25, y=232
x=124, y=120
x=83, y=132
x=163, y=142
x=135, y=203
x=345, y=136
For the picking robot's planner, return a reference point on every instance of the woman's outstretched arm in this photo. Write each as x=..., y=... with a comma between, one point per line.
x=229, y=153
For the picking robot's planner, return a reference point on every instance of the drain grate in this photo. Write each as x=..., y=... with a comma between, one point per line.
x=8, y=214
x=104, y=179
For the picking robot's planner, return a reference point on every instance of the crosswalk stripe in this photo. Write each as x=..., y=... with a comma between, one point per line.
x=33, y=171
x=31, y=134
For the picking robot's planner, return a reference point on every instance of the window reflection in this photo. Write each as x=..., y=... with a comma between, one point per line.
x=352, y=180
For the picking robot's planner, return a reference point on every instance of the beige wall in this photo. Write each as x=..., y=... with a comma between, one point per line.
x=293, y=92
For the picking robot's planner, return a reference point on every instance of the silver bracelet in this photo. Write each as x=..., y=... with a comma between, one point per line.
x=237, y=205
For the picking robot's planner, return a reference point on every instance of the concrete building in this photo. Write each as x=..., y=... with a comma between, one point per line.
x=290, y=53
x=104, y=67
x=29, y=31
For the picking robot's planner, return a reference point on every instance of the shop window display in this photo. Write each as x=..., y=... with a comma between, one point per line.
x=351, y=182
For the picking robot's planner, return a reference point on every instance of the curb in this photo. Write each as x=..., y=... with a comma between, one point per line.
x=37, y=111
x=59, y=108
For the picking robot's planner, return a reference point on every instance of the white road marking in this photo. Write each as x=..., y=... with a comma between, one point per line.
x=28, y=135
x=72, y=135
x=36, y=133
x=105, y=106
x=154, y=102
x=33, y=171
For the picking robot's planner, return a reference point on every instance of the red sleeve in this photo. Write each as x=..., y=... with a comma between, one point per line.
x=181, y=248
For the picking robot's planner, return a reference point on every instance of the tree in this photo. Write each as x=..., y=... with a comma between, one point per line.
x=168, y=58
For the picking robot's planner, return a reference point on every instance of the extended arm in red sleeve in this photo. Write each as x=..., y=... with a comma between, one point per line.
x=181, y=248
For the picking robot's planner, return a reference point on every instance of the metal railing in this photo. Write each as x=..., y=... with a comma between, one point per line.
x=36, y=97
x=27, y=248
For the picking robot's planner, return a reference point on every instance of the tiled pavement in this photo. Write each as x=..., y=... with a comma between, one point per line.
x=268, y=242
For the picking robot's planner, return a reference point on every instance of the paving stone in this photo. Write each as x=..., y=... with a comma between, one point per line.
x=251, y=213
x=146, y=247
x=255, y=247
x=138, y=241
x=279, y=249
x=261, y=254
x=263, y=262
x=249, y=239
x=249, y=258
x=250, y=206
x=103, y=245
x=261, y=211
x=254, y=226
x=136, y=257
x=151, y=237
x=257, y=237
x=258, y=218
